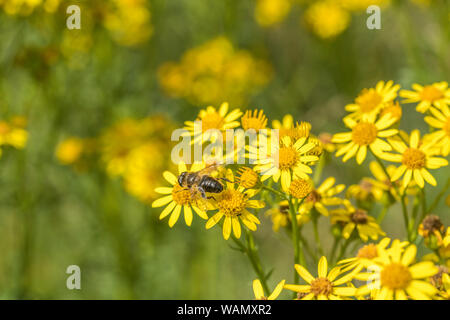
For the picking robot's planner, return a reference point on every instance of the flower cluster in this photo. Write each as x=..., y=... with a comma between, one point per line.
x=213, y=72
x=282, y=176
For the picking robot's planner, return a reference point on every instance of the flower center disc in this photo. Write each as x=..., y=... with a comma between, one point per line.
x=395, y=276
x=364, y=133
x=180, y=195
x=430, y=93
x=368, y=100
x=288, y=157
x=232, y=202
x=300, y=188
x=368, y=252
x=359, y=217
x=321, y=286
x=212, y=121
x=414, y=159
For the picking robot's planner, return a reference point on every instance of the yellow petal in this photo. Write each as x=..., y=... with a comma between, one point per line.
x=258, y=289
x=323, y=267
x=304, y=273
x=276, y=292
x=174, y=216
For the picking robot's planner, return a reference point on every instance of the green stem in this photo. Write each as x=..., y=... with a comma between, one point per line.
x=252, y=254
x=316, y=231
x=278, y=193
x=333, y=250
x=307, y=248
x=382, y=214
x=343, y=248
x=319, y=169
x=405, y=215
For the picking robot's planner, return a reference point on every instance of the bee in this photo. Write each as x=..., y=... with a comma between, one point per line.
x=201, y=181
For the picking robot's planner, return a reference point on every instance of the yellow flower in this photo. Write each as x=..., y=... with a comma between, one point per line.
x=247, y=178
x=415, y=159
x=327, y=19
x=12, y=135
x=212, y=119
x=256, y=120
x=280, y=216
x=371, y=101
x=232, y=204
x=259, y=292
x=441, y=121
x=432, y=230
x=69, y=150
x=288, y=161
x=362, y=5
x=365, y=134
x=393, y=109
x=293, y=130
x=436, y=94
x=351, y=218
x=367, y=255
x=270, y=12
x=373, y=189
x=325, y=286
x=398, y=278
x=445, y=293
x=176, y=198
x=214, y=72
x=322, y=197
x=145, y=164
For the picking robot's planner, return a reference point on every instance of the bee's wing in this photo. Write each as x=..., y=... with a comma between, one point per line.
x=209, y=168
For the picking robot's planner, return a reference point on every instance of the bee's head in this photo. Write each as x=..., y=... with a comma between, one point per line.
x=181, y=178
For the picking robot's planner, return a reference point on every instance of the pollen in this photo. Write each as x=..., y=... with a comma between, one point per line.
x=255, y=120
x=232, y=202
x=247, y=178
x=288, y=158
x=212, y=120
x=395, y=276
x=368, y=100
x=321, y=286
x=368, y=252
x=414, y=158
x=300, y=188
x=431, y=93
x=181, y=195
x=364, y=133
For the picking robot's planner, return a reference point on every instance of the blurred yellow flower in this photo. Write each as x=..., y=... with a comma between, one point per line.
x=327, y=19
x=256, y=120
x=398, y=278
x=128, y=21
x=352, y=218
x=271, y=12
x=176, y=198
x=69, y=150
x=433, y=95
x=12, y=134
x=325, y=286
x=415, y=159
x=322, y=197
x=259, y=292
x=214, y=72
x=232, y=204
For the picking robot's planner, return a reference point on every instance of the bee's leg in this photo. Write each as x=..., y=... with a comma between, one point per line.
x=184, y=189
x=211, y=197
x=202, y=192
x=225, y=179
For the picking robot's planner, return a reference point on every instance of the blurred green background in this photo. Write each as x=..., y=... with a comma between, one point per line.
x=80, y=82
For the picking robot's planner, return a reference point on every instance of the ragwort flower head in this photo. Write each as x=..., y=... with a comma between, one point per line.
x=326, y=286
x=232, y=205
x=430, y=96
x=177, y=198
